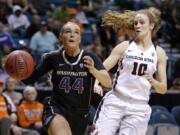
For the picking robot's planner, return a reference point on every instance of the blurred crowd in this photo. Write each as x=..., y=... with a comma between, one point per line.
x=33, y=25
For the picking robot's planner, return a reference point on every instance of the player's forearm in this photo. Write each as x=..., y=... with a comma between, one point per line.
x=108, y=64
x=159, y=87
x=103, y=77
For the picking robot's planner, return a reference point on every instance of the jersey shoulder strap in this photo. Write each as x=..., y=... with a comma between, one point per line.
x=130, y=41
x=155, y=46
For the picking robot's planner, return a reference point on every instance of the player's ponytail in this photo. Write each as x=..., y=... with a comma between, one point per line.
x=124, y=21
x=119, y=21
x=156, y=16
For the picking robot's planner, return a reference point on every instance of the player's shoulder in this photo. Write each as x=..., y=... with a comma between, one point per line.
x=161, y=52
x=121, y=47
x=52, y=54
x=89, y=53
x=159, y=49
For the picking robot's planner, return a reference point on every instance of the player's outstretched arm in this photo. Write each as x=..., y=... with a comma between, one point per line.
x=115, y=55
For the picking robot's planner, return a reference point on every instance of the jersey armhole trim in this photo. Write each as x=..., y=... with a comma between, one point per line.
x=130, y=41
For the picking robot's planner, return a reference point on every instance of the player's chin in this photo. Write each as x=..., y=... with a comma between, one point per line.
x=72, y=44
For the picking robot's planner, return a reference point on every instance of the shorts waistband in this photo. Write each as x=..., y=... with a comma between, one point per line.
x=129, y=99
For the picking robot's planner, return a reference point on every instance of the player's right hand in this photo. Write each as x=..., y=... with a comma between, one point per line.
x=89, y=63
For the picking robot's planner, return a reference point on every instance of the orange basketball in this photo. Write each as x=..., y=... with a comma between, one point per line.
x=19, y=64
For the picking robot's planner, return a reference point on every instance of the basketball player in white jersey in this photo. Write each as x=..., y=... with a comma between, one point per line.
x=125, y=107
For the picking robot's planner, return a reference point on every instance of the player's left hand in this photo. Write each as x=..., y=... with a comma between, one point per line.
x=148, y=77
x=89, y=63
x=98, y=89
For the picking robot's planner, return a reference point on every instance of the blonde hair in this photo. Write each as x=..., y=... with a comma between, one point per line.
x=69, y=22
x=125, y=21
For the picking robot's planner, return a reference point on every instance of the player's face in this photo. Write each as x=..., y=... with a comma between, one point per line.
x=142, y=25
x=71, y=35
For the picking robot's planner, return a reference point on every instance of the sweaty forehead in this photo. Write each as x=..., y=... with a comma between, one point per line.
x=71, y=25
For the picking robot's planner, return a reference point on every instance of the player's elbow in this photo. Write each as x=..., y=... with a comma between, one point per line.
x=108, y=83
x=105, y=79
x=163, y=90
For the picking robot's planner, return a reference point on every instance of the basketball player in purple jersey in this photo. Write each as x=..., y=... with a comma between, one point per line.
x=73, y=74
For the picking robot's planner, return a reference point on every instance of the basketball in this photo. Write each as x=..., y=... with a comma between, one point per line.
x=19, y=64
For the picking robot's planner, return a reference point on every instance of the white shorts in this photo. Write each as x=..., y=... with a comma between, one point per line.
x=117, y=112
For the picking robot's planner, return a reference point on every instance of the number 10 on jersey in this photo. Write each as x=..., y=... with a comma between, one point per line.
x=139, y=68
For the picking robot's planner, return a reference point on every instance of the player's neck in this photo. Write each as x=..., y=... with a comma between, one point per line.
x=146, y=42
x=72, y=52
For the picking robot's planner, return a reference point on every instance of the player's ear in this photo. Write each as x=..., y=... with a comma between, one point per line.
x=80, y=39
x=152, y=26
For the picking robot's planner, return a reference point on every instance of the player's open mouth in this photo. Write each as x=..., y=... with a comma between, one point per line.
x=72, y=41
x=138, y=31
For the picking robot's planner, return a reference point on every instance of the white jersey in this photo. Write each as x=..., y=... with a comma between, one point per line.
x=129, y=80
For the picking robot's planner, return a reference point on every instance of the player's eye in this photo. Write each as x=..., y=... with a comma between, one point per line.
x=141, y=22
x=67, y=31
x=135, y=23
x=77, y=31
